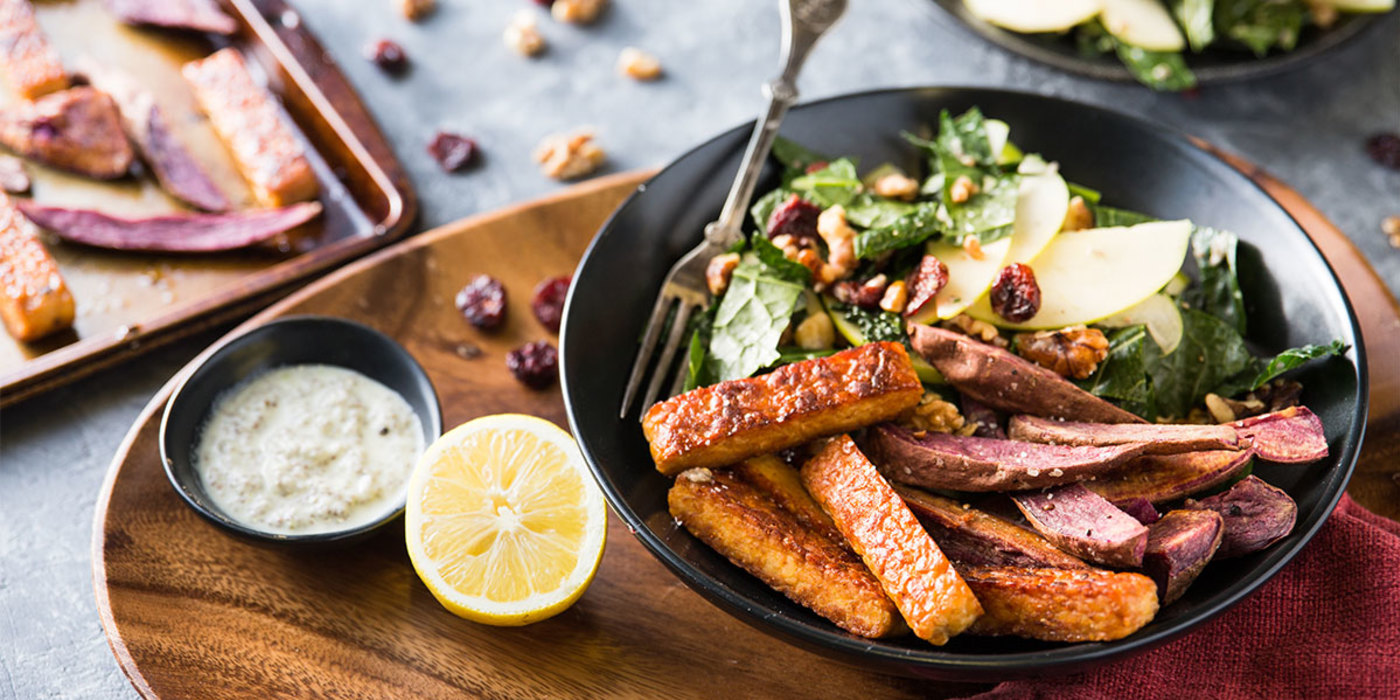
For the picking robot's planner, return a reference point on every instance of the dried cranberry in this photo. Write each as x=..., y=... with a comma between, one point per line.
x=388, y=55
x=817, y=166
x=1015, y=296
x=1384, y=148
x=452, y=151
x=483, y=302
x=924, y=283
x=866, y=296
x=535, y=364
x=796, y=217
x=544, y=3
x=548, y=302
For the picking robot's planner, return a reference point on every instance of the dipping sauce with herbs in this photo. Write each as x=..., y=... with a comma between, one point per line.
x=308, y=448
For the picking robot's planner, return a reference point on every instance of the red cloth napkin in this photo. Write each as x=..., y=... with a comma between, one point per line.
x=1327, y=626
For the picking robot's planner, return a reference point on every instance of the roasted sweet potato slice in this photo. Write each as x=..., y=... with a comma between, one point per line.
x=34, y=299
x=1164, y=478
x=31, y=66
x=1082, y=523
x=1009, y=383
x=1293, y=435
x=1061, y=605
x=1256, y=515
x=959, y=463
x=974, y=537
x=716, y=426
x=77, y=130
x=1159, y=439
x=748, y=528
x=930, y=595
x=185, y=232
x=1178, y=548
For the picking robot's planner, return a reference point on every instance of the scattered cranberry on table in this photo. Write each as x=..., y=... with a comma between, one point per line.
x=1384, y=148
x=452, y=151
x=483, y=302
x=388, y=55
x=535, y=364
x=548, y=302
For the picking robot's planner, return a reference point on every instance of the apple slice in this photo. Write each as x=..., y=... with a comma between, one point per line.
x=1041, y=206
x=1086, y=276
x=1035, y=16
x=1159, y=313
x=1143, y=23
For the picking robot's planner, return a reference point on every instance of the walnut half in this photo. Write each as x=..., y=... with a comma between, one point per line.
x=1070, y=352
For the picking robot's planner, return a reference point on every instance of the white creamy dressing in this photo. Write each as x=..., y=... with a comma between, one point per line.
x=308, y=448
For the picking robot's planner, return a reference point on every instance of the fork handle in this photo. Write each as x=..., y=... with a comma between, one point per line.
x=804, y=22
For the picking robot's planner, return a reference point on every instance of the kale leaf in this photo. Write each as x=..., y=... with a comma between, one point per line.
x=1122, y=376
x=1211, y=351
x=1261, y=25
x=1159, y=70
x=751, y=318
x=837, y=183
x=916, y=224
x=777, y=264
x=1107, y=217
x=1219, y=291
x=1262, y=370
x=1196, y=18
x=872, y=326
x=794, y=156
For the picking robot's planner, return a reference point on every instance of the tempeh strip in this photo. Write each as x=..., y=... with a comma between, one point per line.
x=930, y=595
x=31, y=65
x=1061, y=605
x=748, y=528
x=34, y=300
x=783, y=484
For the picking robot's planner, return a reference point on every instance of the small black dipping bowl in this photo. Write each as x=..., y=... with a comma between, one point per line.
x=291, y=341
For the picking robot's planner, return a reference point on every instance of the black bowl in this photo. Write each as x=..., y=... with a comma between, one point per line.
x=289, y=341
x=1214, y=65
x=1293, y=298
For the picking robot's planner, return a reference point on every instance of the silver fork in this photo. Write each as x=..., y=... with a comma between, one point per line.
x=804, y=22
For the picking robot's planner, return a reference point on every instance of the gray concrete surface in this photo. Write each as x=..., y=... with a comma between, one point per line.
x=1306, y=126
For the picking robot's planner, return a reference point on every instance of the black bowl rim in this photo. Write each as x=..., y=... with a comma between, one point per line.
x=1062, y=659
x=216, y=354
x=1351, y=26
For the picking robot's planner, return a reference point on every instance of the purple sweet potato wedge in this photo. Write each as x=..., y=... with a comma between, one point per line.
x=191, y=15
x=174, y=166
x=1140, y=508
x=1256, y=515
x=1164, y=478
x=171, y=233
x=1291, y=436
x=986, y=420
x=1082, y=523
x=973, y=537
x=1009, y=383
x=958, y=463
x=1160, y=439
x=1178, y=548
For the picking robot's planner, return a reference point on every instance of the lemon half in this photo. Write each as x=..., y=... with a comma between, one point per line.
x=505, y=524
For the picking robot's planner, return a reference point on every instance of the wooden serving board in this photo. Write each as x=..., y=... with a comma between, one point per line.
x=189, y=610
x=130, y=302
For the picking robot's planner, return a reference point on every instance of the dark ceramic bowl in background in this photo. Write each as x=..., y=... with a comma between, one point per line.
x=1214, y=65
x=1292, y=296
x=289, y=341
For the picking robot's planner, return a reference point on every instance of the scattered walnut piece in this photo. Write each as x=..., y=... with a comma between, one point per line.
x=1390, y=226
x=816, y=332
x=897, y=186
x=933, y=414
x=1274, y=396
x=896, y=296
x=840, y=244
x=1079, y=217
x=638, y=64
x=973, y=246
x=980, y=330
x=577, y=11
x=719, y=272
x=1324, y=14
x=415, y=10
x=569, y=156
x=962, y=189
x=523, y=36
x=1070, y=352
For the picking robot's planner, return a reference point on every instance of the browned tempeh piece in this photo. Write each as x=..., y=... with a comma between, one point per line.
x=1158, y=439
x=716, y=426
x=783, y=484
x=34, y=300
x=1061, y=605
x=248, y=120
x=1009, y=383
x=747, y=527
x=31, y=65
x=930, y=595
x=77, y=130
x=973, y=537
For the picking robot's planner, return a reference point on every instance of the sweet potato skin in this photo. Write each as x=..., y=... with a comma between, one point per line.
x=1082, y=523
x=1159, y=439
x=1061, y=605
x=1009, y=383
x=1256, y=515
x=1165, y=478
x=1178, y=548
x=741, y=523
x=915, y=574
x=973, y=537
x=716, y=426
x=34, y=299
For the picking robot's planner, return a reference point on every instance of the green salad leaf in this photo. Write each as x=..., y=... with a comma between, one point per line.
x=1211, y=351
x=751, y=318
x=1262, y=370
x=1107, y=217
x=916, y=225
x=1197, y=21
x=1159, y=70
x=794, y=156
x=1122, y=376
x=1218, y=294
x=1090, y=196
x=990, y=214
x=1261, y=25
x=698, y=370
x=763, y=207
x=837, y=183
x=777, y=264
